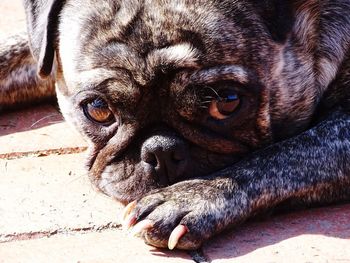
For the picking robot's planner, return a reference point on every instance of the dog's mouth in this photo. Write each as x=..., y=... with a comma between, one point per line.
x=127, y=181
x=159, y=160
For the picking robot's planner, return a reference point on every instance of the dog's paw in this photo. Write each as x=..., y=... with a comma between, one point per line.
x=183, y=215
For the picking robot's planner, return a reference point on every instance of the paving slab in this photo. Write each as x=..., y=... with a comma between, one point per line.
x=38, y=130
x=104, y=247
x=45, y=195
x=316, y=235
x=49, y=210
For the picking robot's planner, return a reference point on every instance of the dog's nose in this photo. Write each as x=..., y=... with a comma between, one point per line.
x=168, y=155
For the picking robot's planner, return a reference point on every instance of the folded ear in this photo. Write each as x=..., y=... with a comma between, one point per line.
x=42, y=24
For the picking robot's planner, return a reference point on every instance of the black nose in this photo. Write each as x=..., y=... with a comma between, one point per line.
x=168, y=155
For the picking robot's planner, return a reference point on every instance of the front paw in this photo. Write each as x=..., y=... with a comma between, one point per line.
x=184, y=215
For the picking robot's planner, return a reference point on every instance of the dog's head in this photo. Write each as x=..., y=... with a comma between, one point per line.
x=169, y=90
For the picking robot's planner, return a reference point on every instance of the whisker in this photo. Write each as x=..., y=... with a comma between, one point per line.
x=213, y=90
x=44, y=118
x=76, y=179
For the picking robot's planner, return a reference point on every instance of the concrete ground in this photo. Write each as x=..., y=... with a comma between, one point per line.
x=50, y=213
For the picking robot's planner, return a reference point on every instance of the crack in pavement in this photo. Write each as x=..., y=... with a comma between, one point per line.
x=42, y=234
x=42, y=153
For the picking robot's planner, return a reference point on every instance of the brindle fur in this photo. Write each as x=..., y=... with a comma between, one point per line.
x=19, y=82
x=152, y=62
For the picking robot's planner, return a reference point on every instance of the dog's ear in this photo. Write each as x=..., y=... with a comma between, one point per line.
x=42, y=23
x=277, y=15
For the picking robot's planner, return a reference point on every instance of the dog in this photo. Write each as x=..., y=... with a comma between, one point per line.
x=204, y=112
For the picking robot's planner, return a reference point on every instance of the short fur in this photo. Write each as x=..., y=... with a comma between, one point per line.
x=156, y=63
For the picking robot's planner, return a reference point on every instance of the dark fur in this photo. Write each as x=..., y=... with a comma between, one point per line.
x=288, y=60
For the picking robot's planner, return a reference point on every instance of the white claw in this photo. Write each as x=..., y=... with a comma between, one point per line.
x=128, y=209
x=129, y=221
x=141, y=226
x=175, y=236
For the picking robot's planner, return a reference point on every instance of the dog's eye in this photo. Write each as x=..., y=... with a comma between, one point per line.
x=98, y=111
x=226, y=104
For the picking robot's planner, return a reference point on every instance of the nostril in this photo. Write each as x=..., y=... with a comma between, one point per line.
x=151, y=159
x=167, y=156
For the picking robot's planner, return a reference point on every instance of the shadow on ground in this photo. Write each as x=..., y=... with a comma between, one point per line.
x=327, y=222
x=29, y=119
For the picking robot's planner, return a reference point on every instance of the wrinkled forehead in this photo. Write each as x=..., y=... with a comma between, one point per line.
x=141, y=37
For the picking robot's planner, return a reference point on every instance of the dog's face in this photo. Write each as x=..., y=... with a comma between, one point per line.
x=169, y=90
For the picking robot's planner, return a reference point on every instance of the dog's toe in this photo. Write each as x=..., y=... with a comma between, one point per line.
x=175, y=217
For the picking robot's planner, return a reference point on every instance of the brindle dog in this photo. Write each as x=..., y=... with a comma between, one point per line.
x=205, y=111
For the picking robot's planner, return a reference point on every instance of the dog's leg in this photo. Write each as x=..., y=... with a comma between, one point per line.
x=19, y=83
x=311, y=168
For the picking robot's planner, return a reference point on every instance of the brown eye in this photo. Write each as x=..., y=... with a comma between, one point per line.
x=98, y=111
x=223, y=107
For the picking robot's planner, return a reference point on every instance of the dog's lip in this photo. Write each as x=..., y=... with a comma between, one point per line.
x=121, y=188
x=117, y=144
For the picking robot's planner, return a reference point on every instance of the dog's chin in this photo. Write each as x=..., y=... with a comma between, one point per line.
x=126, y=183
